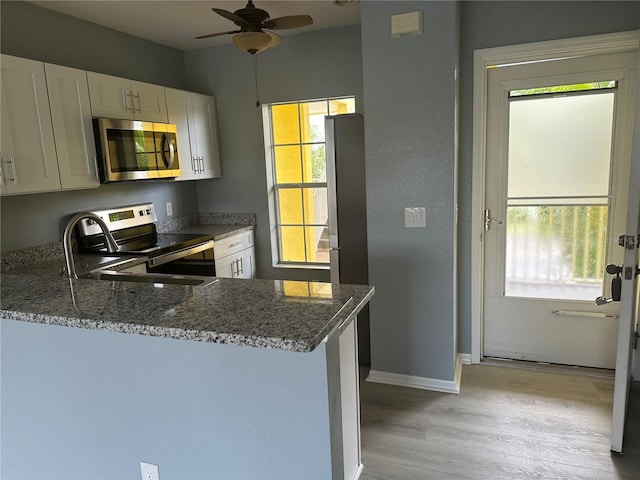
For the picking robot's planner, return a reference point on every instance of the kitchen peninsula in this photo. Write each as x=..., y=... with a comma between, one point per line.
x=230, y=379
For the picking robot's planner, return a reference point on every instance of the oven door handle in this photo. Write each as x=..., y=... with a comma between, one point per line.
x=184, y=252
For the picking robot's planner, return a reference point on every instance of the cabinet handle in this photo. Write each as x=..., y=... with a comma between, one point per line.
x=127, y=107
x=193, y=164
x=201, y=164
x=124, y=100
x=11, y=161
x=241, y=267
x=234, y=244
x=137, y=95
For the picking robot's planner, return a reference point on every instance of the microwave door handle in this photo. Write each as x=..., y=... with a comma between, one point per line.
x=172, y=152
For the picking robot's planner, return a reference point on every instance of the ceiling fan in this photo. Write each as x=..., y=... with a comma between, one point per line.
x=254, y=35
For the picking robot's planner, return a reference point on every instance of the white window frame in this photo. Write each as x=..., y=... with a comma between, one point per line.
x=273, y=187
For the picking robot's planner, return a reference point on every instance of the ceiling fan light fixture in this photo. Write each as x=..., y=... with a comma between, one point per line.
x=252, y=42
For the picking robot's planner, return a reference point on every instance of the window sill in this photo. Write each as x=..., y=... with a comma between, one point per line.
x=301, y=266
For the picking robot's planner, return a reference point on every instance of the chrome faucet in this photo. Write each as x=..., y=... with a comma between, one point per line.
x=112, y=246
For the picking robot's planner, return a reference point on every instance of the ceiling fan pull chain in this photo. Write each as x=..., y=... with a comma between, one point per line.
x=255, y=73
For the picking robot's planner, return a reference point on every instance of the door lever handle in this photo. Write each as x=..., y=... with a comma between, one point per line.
x=616, y=282
x=488, y=220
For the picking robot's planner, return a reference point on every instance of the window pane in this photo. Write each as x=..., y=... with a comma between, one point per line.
x=292, y=244
x=316, y=209
x=318, y=244
x=312, y=121
x=342, y=105
x=286, y=125
x=555, y=251
x=314, y=163
x=560, y=146
x=288, y=166
x=318, y=163
x=290, y=205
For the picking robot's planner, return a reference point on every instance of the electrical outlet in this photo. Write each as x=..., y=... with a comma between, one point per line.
x=169, y=209
x=149, y=471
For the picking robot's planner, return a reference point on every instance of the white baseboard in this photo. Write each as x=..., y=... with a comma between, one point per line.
x=434, y=384
x=465, y=357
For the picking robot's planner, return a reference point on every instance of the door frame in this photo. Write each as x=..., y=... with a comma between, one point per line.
x=571, y=47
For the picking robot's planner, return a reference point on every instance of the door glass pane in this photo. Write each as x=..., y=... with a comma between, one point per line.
x=558, y=194
x=555, y=251
x=560, y=146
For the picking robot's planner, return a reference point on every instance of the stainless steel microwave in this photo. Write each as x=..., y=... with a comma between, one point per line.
x=133, y=150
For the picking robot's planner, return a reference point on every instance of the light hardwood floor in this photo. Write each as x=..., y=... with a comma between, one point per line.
x=506, y=424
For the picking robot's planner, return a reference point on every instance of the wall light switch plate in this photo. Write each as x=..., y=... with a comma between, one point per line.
x=169, y=206
x=415, y=217
x=149, y=471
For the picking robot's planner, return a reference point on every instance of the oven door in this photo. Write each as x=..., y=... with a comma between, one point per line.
x=166, y=147
x=193, y=260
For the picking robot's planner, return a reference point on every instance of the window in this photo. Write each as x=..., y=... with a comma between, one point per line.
x=297, y=179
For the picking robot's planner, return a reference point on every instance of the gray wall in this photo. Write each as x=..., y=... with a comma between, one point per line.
x=410, y=95
x=495, y=24
x=33, y=32
x=306, y=66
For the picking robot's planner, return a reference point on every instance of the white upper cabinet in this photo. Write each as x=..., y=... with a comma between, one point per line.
x=115, y=97
x=28, y=150
x=195, y=116
x=72, y=126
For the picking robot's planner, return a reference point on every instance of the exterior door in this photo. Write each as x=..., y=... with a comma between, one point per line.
x=630, y=292
x=557, y=173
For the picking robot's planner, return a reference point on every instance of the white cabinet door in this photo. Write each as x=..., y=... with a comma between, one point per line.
x=29, y=162
x=205, y=135
x=245, y=263
x=72, y=126
x=149, y=102
x=179, y=111
x=115, y=97
x=226, y=266
x=196, y=118
x=350, y=401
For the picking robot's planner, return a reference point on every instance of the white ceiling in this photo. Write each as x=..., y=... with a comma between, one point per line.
x=175, y=23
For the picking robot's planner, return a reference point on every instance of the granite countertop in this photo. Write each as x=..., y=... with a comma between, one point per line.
x=286, y=315
x=281, y=314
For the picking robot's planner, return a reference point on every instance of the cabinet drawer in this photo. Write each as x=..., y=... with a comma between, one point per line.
x=233, y=244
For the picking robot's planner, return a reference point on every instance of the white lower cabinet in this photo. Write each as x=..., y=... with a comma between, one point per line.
x=235, y=256
x=196, y=119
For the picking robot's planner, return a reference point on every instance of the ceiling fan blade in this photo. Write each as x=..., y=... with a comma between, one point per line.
x=237, y=19
x=291, y=21
x=275, y=39
x=217, y=34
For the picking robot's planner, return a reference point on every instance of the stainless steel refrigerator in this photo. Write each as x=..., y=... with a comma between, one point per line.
x=344, y=137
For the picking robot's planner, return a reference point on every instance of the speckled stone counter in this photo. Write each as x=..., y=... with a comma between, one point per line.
x=286, y=315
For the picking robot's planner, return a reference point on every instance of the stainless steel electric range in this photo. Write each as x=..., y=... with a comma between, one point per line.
x=134, y=229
